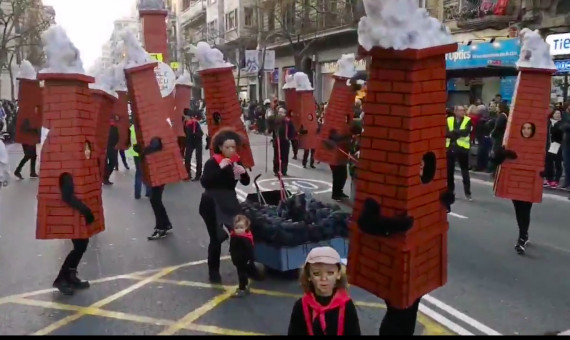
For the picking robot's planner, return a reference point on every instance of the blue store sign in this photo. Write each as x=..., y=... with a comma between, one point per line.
x=562, y=66
x=503, y=53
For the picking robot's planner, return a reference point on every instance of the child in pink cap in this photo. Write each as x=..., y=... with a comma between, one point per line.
x=325, y=308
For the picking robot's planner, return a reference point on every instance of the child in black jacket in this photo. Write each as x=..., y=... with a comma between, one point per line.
x=241, y=252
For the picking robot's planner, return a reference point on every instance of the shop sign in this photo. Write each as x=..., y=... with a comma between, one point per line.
x=275, y=76
x=562, y=66
x=477, y=55
x=156, y=57
x=559, y=43
x=332, y=67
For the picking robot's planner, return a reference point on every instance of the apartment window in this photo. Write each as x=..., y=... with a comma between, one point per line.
x=289, y=15
x=186, y=4
x=422, y=3
x=231, y=20
x=271, y=20
x=213, y=28
x=248, y=16
x=211, y=2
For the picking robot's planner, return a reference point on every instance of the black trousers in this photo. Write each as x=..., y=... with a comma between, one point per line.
x=160, y=214
x=284, y=150
x=123, y=159
x=30, y=154
x=112, y=161
x=553, y=166
x=462, y=157
x=190, y=147
x=207, y=210
x=339, y=177
x=75, y=255
x=400, y=321
x=522, y=213
x=306, y=153
x=295, y=147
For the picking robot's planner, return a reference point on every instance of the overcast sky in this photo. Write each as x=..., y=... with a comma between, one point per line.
x=89, y=23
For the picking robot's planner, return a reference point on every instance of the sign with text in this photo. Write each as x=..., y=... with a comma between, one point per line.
x=478, y=55
x=562, y=66
x=166, y=79
x=156, y=57
x=559, y=43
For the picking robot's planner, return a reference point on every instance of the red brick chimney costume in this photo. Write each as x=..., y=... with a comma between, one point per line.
x=150, y=114
x=338, y=117
x=521, y=179
x=122, y=110
x=29, y=97
x=182, y=96
x=307, y=119
x=292, y=102
x=154, y=32
x=70, y=116
x=104, y=104
x=220, y=95
x=404, y=120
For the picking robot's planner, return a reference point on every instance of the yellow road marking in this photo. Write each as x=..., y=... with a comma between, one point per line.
x=99, y=304
x=431, y=327
x=197, y=313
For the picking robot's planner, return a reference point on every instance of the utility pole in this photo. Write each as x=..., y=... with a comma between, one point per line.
x=259, y=15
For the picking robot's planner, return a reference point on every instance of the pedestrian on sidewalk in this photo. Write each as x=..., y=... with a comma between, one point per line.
x=326, y=307
x=219, y=204
x=553, y=166
x=498, y=127
x=566, y=147
x=30, y=152
x=138, y=166
x=458, y=144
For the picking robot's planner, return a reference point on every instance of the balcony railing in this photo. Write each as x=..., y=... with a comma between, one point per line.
x=195, y=10
x=481, y=14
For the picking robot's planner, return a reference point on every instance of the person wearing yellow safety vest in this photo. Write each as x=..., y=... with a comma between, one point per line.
x=458, y=144
x=137, y=159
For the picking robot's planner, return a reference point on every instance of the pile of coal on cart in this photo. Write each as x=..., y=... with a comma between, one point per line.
x=286, y=228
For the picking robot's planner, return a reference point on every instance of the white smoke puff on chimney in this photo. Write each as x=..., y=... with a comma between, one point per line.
x=535, y=52
x=135, y=53
x=289, y=82
x=184, y=79
x=26, y=71
x=61, y=54
x=346, y=66
x=208, y=57
x=302, y=81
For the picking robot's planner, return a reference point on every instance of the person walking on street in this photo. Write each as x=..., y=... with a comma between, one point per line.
x=194, y=136
x=138, y=170
x=112, y=153
x=553, y=166
x=458, y=144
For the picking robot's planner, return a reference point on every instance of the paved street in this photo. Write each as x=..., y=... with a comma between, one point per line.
x=142, y=287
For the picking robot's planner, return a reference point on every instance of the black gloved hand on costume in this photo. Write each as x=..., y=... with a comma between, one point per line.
x=502, y=154
x=89, y=218
x=447, y=198
x=372, y=222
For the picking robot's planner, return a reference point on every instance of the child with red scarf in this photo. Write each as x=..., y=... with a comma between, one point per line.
x=325, y=308
x=241, y=252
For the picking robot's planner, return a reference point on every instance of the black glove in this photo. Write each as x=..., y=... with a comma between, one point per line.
x=447, y=198
x=89, y=218
x=501, y=155
x=372, y=222
x=303, y=131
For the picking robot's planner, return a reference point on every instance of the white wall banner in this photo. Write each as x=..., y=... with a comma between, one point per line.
x=166, y=79
x=254, y=58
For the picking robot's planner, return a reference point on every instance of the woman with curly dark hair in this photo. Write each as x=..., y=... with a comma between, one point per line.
x=219, y=204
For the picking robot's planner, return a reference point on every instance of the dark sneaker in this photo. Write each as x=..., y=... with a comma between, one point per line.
x=76, y=282
x=469, y=198
x=196, y=179
x=157, y=234
x=19, y=175
x=239, y=293
x=34, y=175
x=343, y=195
x=63, y=286
x=520, y=247
x=169, y=228
x=214, y=277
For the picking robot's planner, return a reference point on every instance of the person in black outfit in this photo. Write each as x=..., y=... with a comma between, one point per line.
x=241, y=252
x=219, y=204
x=112, y=154
x=162, y=222
x=283, y=132
x=295, y=139
x=30, y=153
x=123, y=159
x=553, y=166
x=67, y=281
x=194, y=136
x=498, y=127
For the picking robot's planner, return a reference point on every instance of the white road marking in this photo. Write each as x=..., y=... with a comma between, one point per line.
x=452, y=326
x=544, y=195
x=460, y=316
x=457, y=215
x=296, y=165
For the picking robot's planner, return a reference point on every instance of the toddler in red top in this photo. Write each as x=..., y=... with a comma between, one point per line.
x=325, y=308
x=241, y=252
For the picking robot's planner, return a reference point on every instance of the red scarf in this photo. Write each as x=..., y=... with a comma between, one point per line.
x=218, y=157
x=192, y=123
x=339, y=300
x=248, y=235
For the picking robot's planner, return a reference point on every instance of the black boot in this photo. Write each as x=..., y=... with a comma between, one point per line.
x=62, y=283
x=214, y=252
x=33, y=173
x=76, y=282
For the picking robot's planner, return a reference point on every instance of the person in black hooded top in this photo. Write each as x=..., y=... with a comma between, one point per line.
x=219, y=205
